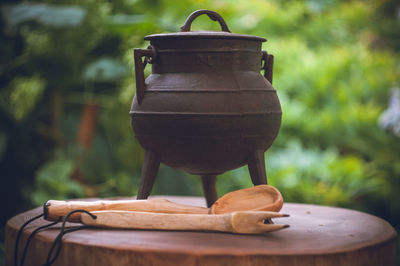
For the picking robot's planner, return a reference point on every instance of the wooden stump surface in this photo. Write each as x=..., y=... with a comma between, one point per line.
x=318, y=235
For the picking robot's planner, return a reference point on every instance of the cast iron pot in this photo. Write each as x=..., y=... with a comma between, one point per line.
x=205, y=108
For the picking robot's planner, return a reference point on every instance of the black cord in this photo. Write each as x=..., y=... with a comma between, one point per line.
x=57, y=241
x=19, y=236
x=32, y=235
x=57, y=244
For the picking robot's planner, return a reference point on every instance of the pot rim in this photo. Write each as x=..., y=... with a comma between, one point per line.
x=203, y=35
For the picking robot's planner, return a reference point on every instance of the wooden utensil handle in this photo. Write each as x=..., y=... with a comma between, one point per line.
x=236, y=222
x=162, y=221
x=56, y=208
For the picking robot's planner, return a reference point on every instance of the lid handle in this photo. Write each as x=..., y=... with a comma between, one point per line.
x=211, y=14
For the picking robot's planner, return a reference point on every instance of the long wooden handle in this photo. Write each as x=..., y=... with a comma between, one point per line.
x=54, y=209
x=247, y=222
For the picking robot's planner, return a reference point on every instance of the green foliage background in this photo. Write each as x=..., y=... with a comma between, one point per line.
x=335, y=65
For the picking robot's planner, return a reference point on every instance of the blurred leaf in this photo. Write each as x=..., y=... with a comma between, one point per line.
x=50, y=15
x=124, y=19
x=105, y=69
x=390, y=118
x=53, y=182
x=22, y=96
x=323, y=177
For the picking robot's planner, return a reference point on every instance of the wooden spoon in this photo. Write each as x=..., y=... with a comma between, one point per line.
x=257, y=198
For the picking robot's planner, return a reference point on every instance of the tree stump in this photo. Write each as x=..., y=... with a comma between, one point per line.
x=318, y=235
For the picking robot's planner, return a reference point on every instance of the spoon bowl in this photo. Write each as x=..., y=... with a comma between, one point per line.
x=257, y=198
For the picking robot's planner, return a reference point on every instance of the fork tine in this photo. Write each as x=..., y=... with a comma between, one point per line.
x=252, y=222
x=268, y=214
x=264, y=228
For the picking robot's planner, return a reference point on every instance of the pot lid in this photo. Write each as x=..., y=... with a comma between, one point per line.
x=185, y=32
x=203, y=35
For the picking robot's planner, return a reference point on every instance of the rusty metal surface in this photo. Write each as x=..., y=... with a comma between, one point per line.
x=205, y=108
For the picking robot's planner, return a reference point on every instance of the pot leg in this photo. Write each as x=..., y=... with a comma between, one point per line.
x=150, y=167
x=256, y=165
x=209, y=189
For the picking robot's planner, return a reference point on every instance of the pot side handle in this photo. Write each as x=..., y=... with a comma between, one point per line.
x=211, y=14
x=149, y=54
x=267, y=61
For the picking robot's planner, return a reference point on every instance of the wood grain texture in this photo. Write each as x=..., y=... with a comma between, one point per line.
x=317, y=235
x=245, y=222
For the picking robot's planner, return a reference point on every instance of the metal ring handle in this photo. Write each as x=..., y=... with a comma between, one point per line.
x=267, y=64
x=211, y=14
x=150, y=55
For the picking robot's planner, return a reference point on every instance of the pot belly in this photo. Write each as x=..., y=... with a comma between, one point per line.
x=206, y=124
x=205, y=143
